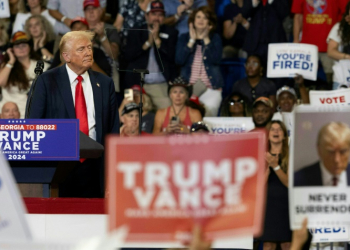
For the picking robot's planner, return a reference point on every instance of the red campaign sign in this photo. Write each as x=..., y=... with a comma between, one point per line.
x=161, y=186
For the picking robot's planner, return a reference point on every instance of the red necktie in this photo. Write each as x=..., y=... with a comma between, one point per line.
x=335, y=181
x=264, y=2
x=80, y=107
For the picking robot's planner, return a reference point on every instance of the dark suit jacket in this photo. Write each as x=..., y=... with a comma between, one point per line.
x=53, y=99
x=138, y=58
x=312, y=176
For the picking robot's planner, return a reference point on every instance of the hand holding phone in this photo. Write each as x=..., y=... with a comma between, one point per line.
x=129, y=94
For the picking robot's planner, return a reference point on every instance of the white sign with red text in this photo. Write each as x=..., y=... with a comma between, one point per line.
x=332, y=97
x=183, y=181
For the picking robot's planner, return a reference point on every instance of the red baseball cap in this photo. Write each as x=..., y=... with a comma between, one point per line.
x=137, y=88
x=95, y=3
x=79, y=19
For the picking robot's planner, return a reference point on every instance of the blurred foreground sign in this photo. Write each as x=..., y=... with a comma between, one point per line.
x=161, y=186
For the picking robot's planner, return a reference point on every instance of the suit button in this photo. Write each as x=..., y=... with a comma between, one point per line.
x=207, y=67
x=210, y=77
x=205, y=58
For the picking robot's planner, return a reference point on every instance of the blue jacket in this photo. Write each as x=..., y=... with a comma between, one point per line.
x=211, y=58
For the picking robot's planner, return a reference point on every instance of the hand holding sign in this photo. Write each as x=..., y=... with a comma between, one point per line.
x=289, y=59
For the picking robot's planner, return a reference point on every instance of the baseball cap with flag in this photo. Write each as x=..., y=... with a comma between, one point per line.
x=155, y=6
x=19, y=37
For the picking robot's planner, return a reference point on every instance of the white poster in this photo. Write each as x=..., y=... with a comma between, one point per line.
x=319, y=173
x=289, y=59
x=4, y=9
x=229, y=125
x=330, y=97
x=13, y=225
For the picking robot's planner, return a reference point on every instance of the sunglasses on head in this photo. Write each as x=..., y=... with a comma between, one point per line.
x=232, y=102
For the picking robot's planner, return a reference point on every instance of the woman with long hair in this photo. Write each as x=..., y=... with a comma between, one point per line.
x=199, y=54
x=41, y=35
x=276, y=227
x=17, y=71
x=177, y=118
x=235, y=105
x=26, y=8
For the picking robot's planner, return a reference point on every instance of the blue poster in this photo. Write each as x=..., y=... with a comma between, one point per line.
x=39, y=139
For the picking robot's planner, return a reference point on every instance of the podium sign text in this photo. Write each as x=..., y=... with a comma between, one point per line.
x=39, y=139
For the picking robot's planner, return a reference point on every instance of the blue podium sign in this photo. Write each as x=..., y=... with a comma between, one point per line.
x=40, y=139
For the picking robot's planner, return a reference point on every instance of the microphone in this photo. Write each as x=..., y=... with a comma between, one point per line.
x=39, y=67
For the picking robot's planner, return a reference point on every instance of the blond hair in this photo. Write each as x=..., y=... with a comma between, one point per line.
x=67, y=40
x=334, y=131
x=45, y=26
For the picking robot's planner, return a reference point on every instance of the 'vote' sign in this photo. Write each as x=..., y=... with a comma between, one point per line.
x=334, y=97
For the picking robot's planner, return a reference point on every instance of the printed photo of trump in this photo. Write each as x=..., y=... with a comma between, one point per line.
x=332, y=167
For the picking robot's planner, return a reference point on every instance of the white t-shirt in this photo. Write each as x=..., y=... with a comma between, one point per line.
x=21, y=19
x=334, y=35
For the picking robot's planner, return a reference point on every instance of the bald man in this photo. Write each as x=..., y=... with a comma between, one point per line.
x=333, y=147
x=10, y=111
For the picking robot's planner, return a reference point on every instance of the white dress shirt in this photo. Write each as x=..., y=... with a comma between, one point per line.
x=327, y=177
x=89, y=98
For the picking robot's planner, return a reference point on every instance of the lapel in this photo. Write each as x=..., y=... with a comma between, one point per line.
x=318, y=175
x=96, y=89
x=348, y=175
x=65, y=90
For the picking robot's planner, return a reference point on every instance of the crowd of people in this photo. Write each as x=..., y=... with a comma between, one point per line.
x=181, y=44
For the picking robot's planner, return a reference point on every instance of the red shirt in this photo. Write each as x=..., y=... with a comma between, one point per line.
x=319, y=16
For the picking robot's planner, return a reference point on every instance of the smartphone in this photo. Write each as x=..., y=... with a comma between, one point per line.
x=175, y=120
x=129, y=94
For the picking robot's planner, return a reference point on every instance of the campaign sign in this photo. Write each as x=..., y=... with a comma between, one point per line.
x=40, y=139
x=289, y=59
x=330, y=97
x=160, y=187
x=319, y=172
x=4, y=9
x=229, y=125
x=330, y=234
x=13, y=224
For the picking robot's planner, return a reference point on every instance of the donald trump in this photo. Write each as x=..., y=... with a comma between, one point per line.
x=333, y=147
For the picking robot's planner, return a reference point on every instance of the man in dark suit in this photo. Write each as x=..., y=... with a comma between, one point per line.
x=74, y=91
x=152, y=50
x=333, y=146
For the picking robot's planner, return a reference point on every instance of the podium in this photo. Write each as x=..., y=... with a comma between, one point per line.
x=47, y=169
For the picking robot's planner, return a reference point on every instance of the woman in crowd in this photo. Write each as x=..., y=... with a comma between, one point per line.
x=42, y=37
x=339, y=42
x=17, y=71
x=255, y=85
x=234, y=106
x=178, y=118
x=235, y=29
x=276, y=227
x=26, y=8
x=199, y=54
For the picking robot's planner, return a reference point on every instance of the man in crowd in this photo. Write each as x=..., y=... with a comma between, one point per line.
x=262, y=112
x=106, y=36
x=130, y=118
x=74, y=91
x=10, y=111
x=333, y=147
x=143, y=51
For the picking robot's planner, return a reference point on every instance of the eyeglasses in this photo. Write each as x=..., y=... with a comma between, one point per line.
x=232, y=102
x=253, y=64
